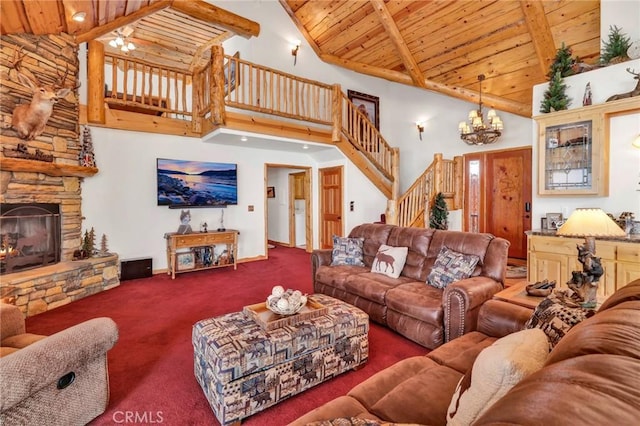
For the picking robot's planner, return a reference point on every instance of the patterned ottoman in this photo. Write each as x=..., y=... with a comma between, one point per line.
x=243, y=369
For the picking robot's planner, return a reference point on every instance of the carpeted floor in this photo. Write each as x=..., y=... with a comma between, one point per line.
x=514, y=271
x=151, y=366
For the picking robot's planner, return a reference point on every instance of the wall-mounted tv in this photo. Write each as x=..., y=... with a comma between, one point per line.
x=184, y=183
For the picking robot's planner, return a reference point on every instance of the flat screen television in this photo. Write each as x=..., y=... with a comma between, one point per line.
x=183, y=183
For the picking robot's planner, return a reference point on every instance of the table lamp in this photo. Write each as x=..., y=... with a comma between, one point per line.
x=588, y=223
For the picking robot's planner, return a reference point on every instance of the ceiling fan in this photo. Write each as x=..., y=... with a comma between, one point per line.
x=119, y=39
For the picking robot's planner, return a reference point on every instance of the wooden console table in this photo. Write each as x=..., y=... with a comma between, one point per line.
x=207, y=250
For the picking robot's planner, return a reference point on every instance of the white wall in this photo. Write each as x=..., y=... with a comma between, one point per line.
x=120, y=200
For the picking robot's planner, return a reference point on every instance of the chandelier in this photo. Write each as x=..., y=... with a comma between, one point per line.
x=121, y=42
x=481, y=132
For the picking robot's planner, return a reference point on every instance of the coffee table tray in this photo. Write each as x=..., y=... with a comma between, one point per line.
x=269, y=320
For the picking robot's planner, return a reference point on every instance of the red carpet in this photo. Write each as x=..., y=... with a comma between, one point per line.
x=151, y=365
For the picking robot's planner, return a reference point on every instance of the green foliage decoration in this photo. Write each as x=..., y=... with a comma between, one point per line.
x=439, y=213
x=555, y=98
x=562, y=63
x=615, y=47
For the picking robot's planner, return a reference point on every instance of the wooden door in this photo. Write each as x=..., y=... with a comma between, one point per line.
x=498, y=196
x=330, y=205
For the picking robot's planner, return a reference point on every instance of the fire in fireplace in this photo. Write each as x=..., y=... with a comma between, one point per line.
x=29, y=236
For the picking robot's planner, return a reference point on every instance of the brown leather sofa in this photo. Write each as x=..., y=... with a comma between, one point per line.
x=418, y=311
x=591, y=376
x=53, y=380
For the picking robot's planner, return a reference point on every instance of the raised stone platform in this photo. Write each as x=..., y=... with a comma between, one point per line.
x=38, y=290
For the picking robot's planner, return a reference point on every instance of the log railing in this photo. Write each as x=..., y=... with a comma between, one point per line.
x=441, y=176
x=141, y=86
x=361, y=132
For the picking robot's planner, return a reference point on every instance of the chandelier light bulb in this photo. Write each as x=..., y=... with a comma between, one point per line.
x=130, y=46
x=113, y=44
x=481, y=132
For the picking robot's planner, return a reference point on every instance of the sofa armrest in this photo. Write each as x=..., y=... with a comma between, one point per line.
x=498, y=318
x=319, y=257
x=11, y=321
x=30, y=369
x=461, y=303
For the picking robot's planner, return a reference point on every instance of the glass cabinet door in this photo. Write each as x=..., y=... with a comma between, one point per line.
x=572, y=156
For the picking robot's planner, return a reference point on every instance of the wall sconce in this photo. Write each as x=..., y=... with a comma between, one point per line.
x=294, y=51
x=636, y=142
x=420, y=127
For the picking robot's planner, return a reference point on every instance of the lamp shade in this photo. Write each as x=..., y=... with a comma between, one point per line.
x=590, y=222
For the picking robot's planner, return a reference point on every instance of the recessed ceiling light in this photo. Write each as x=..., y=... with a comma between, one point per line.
x=79, y=16
x=305, y=146
x=244, y=139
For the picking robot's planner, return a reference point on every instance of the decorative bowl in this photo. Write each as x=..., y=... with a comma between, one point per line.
x=287, y=302
x=541, y=288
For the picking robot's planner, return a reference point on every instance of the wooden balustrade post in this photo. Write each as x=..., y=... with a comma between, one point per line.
x=395, y=173
x=437, y=173
x=336, y=113
x=196, y=104
x=391, y=215
x=216, y=88
x=458, y=185
x=95, y=86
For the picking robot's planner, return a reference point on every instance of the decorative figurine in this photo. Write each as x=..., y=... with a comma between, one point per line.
x=185, y=218
x=203, y=226
x=586, y=99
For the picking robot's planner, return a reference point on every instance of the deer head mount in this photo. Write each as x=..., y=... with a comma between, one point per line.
x=631, y=94
x=29, y=120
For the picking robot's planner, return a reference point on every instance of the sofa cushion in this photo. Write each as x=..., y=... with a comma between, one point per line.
x=372, y=286
x=374, y=235
x=495, y=371
x=417, y=240
x=22, y=340
x=336, y=276
x=389, y=260
x=417, y=300
x=347, y=251
x=451, y=266
x=557, y=314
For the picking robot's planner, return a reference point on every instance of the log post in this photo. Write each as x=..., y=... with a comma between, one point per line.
x=336, y=113
x=395, y=173
x=95, y=86
x=458, y=178
x=197, y=89
x=391, y=215
x=216, y=86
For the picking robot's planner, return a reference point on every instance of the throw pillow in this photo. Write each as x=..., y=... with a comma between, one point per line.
x=451, y=266
x=389, y=260
x=347, y=251
x=495, y=371
x=557, y=314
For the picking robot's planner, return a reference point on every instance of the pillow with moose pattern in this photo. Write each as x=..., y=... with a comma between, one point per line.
x=389, y=260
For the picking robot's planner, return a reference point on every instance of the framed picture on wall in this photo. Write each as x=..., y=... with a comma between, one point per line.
x=366, y=104
x=271, y=192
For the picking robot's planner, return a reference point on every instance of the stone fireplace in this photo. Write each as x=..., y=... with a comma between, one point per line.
x=42, y=274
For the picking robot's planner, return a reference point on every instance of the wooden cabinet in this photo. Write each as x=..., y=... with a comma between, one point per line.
x=205, y=250
x=573, y=153
x=554, y=258
x=298, y=185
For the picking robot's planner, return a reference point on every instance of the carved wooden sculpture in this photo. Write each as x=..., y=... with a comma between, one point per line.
x=634, y=92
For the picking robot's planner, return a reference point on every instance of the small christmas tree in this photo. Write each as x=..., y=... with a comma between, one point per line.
x=104, y=250
x=615, y=49
x=439, y=213
x=563, y=63
x=555, y=98
x=89, y=242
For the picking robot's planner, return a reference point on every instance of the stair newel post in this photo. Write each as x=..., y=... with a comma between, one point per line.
x=95, y=86
x=458, y=167
x=216, y=86
x=336, y=113
x=436, y=185
x=391, y=214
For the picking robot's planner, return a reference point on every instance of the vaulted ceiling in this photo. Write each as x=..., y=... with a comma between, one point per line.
x=438, y=45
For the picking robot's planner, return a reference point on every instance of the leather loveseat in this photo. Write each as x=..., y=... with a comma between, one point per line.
x=589, y=378
x=427, y=315
x=53, y=380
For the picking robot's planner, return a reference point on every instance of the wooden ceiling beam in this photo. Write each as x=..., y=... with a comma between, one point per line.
x=540, y=31
x=210, y=13
x=393, y=32
x=502, y=104
x=121, y=21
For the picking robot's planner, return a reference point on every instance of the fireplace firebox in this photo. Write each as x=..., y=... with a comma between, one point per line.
x=30, y=236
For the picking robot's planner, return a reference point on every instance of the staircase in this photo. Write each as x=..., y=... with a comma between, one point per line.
x=233, y=93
